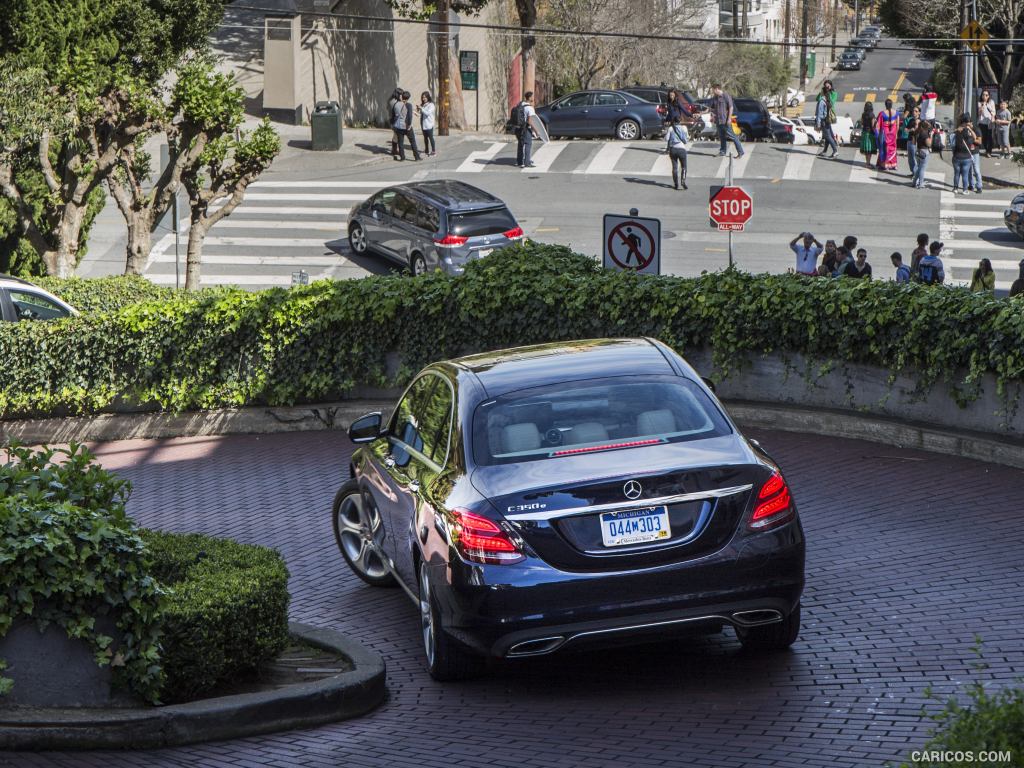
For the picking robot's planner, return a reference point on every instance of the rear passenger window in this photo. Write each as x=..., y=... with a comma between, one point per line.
x=428, y=218
x=610, y=100
x=405, y=209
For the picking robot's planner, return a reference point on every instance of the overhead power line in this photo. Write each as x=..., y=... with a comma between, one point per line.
x=557, y=32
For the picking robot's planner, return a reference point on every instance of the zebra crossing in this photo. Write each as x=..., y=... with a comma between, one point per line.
x=971, y=227
x=782, y=162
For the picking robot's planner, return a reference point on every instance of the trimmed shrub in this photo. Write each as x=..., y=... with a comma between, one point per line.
x=104, y=294
x=226, y=611
x=316, y=342
x=68, y=555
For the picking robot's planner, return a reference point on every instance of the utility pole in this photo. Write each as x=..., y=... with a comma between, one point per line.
x=443, y=62
x=746, y=29
x=805, y=21
x=835, y=28
x=785, y=33
x=735, y=20
x=856, y=17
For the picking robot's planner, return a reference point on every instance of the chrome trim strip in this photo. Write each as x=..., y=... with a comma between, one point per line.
x=632, y=627
x=656, y=502
x=554, y=643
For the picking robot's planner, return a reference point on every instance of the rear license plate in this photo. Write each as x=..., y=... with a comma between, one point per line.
x=635, y=526
x=484, y=252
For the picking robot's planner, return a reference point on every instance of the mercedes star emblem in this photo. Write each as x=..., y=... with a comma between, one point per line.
x=632, y=489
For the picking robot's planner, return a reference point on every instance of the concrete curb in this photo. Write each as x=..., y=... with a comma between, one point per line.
x=339, y=697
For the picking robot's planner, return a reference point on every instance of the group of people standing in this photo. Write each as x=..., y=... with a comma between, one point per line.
x=400, y=115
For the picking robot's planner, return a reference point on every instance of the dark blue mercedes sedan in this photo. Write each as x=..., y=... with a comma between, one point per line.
x=563, y=495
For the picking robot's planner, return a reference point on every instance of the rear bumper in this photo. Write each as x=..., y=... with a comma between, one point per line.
x=531, y=608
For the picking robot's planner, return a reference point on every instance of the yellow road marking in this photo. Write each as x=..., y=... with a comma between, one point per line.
x=546, y=229
x=715, y=250
x=896, y=88
x=871, y=96
x=847, y=97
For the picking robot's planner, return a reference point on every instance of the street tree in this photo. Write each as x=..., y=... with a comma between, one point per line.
x=216, y=184
x=743, y=69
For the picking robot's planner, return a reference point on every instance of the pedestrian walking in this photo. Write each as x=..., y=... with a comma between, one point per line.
x=887, y=127
x=976, y=148
x=678, y=139
x=395, y=98
x=984, y=279
x=807, y=249
x=963, y=165
x=723, y=107
x=859, y=267
x=927, y=102
x=918, y=253
x=929, y=270
x=868, y=144
x=1002, y=129
x=922, y=151
x=427, y=112
x=1017, y=288
x=986, y=120
x=902, y=270
x=677, y=107
x=525, y=132
x=911, y=124
x=825, y=118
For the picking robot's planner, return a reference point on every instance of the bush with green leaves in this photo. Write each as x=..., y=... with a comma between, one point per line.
x=104, y=294
x=317, y=342
x=992, y=721
x=226, y=612
x=69, y=555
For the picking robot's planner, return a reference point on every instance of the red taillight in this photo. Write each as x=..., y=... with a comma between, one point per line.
x=662, y=109
x=516, y=233
x=606, y=447
x=774, y=503
x=789, y=128
x=450, y=241
x=482, y=541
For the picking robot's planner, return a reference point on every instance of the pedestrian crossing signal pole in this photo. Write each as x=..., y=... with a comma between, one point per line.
x=443, y=70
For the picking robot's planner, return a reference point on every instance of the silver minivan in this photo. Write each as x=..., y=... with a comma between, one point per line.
x=428, y=225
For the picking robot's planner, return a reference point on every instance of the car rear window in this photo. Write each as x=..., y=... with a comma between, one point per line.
x=491, y=221
x=577, y=417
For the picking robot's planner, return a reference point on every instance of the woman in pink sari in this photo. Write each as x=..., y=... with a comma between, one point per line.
x=887, y=128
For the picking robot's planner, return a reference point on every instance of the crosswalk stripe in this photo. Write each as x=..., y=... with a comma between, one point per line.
x=739, y=167
x=861, y=174
x=476, y=161
x=307, y=184
x=958, y=214
x=304, y=197
x=545, y=156
x=318, y=226
x=986, y=245
x=951, y=199
x=289, y=210
x=305, y=261
x=606, y=158
x=973, y=228
x=798, y=165
x=662, y=166
x=240, y=280
x=256, y=242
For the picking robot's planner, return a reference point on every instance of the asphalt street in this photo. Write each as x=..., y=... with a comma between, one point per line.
x=294, y=217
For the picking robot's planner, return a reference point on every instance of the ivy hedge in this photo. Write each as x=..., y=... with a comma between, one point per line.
x=316, y=342
x=192, y=612
x=104, y=294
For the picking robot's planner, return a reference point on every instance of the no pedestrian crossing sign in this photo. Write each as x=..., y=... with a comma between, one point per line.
x=730, y=208
x=632, y=243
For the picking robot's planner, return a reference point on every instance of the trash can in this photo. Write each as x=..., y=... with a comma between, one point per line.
x=325, y=123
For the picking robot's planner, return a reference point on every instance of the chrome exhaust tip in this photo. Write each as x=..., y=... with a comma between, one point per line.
x=535, y=647
x=756, y=618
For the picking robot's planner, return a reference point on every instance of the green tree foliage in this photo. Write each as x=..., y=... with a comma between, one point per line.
x=745, y=70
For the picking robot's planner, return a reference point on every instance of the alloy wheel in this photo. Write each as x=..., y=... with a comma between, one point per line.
x=628, y=130
x=357, y=238
x=426, y=616
x=359, y=533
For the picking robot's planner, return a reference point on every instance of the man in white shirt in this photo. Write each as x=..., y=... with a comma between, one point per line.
x=927, y=102
x=806, y=252
x=526, y=133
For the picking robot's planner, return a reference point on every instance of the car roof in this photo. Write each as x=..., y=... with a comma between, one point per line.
x=451, y=193
x=508, y=370
x=4, y=278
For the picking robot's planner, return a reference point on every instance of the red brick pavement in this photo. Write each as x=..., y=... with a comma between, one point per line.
x=909, y=555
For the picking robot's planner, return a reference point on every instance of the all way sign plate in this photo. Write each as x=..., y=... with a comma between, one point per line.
x=632, y=243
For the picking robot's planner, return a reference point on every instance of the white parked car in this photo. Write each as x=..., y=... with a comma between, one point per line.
x=789, y=131
x=793, y=98
x=842, y=128
x=20, y=300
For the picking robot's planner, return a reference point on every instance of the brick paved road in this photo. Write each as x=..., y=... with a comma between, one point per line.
x=909, y=555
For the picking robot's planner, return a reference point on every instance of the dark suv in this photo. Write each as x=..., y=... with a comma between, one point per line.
x=751, y=116
x=429, y=225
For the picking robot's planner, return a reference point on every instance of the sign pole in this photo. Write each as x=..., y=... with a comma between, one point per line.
x=730, y=231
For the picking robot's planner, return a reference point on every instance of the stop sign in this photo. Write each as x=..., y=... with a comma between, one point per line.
x=730, y=207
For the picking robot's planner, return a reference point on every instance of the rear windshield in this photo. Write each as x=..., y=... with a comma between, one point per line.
x=492, y=221
x=598, y=414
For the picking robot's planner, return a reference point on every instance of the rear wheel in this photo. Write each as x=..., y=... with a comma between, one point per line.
x=357, y=238
x=418, y=264
x=446, y=659
x=358, y=533
x=772, y=637
x=627, y=130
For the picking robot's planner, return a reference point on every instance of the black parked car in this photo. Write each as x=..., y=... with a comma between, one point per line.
x=567, y=494
x=603, y=113
x=848, y=60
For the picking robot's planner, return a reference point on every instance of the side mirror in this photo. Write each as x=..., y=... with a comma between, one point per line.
x=366, y=428
x=710, y=384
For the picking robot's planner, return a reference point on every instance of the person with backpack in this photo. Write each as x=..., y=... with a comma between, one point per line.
x=678, y=138
x=524, y=131
x=963, y=161
x=930, y=271
x=902, y=270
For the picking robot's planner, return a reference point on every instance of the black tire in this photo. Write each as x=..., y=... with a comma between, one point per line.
x=354, y=527
x=417, y=264
x=628, y=130
x=447, y=661
x=772, y=637
x=357, y=239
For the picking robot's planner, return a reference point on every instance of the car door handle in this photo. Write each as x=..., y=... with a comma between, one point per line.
x=618, y=110
x=389, y=461
x=585, y=111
